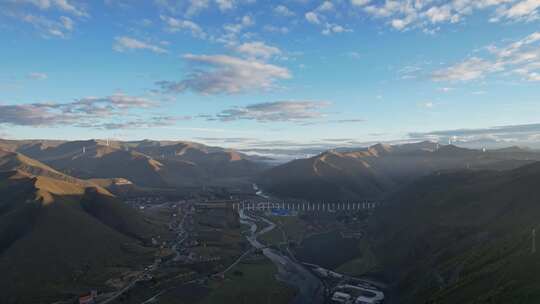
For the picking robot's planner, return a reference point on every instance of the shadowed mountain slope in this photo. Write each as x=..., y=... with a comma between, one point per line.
x=462, y=237
x=372, y=172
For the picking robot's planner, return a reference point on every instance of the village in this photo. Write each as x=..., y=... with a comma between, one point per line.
x=204, y=243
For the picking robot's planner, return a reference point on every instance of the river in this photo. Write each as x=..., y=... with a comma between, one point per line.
x=310, y=288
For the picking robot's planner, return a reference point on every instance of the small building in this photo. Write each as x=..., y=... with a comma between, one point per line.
x=341, y=297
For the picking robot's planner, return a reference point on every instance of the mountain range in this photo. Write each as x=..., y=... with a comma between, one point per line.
x=372, y=172
x=150, y=164
x=454, y=226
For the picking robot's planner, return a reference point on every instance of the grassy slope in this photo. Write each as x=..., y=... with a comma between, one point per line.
x=295, y=228
x=324, y=177
x=328, y=250
x=371, y=173
x=463, y=238
x=61, y=242
x=363, y=263
x=256, y=284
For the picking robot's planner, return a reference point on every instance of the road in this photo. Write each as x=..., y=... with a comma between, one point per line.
x=179, y=231
x=259, y=192
x=235, y=262
x=125, y=289
x=182, y=230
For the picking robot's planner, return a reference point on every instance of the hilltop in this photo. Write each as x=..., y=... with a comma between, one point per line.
x=151, y=164
x=372, y=172
x=60, y=235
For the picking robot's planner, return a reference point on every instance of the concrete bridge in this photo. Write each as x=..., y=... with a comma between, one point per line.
x=295, y=206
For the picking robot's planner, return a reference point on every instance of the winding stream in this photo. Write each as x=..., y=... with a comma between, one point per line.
x=310, y=289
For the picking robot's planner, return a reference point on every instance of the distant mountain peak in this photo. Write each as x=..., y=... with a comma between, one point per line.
x=513, y=149
x=380, y=149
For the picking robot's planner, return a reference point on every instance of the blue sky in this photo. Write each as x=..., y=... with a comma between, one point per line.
x=270, y=74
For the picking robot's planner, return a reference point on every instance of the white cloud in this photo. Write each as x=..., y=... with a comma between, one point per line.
x=332, y=28
x=389, y=8
x=312, y=17
x=399, y=24
x=521, y=57
x=326, y=6
x=174, y=25
x=233, y=31
x=47, y=27
x=191, y=8
x=188, y=7
x=526, y=9
x=51, y=18
x=515, y=47
x=533, y=76
x=223, y=74
x=443, y=13
x=278, y=111
x=124, y=43
x=318, y=17
x=428, y=14
x=67, y=22
x=501, y=136
x=225, y=4
x=62, y=5
x=247, y=20
x=282, y=10
x=68, y=7
x=258, y=49
x=196, y=6
x=360, y=2
x=410, y=72
x=87, y=112
x=469, y=69
x=37, y=76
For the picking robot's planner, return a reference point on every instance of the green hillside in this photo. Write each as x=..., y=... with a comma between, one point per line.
x=462, y=238
x=59, y=238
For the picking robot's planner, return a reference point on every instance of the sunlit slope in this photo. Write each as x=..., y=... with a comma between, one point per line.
x=62, y=237
x=146, y=163
x=12, y=161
